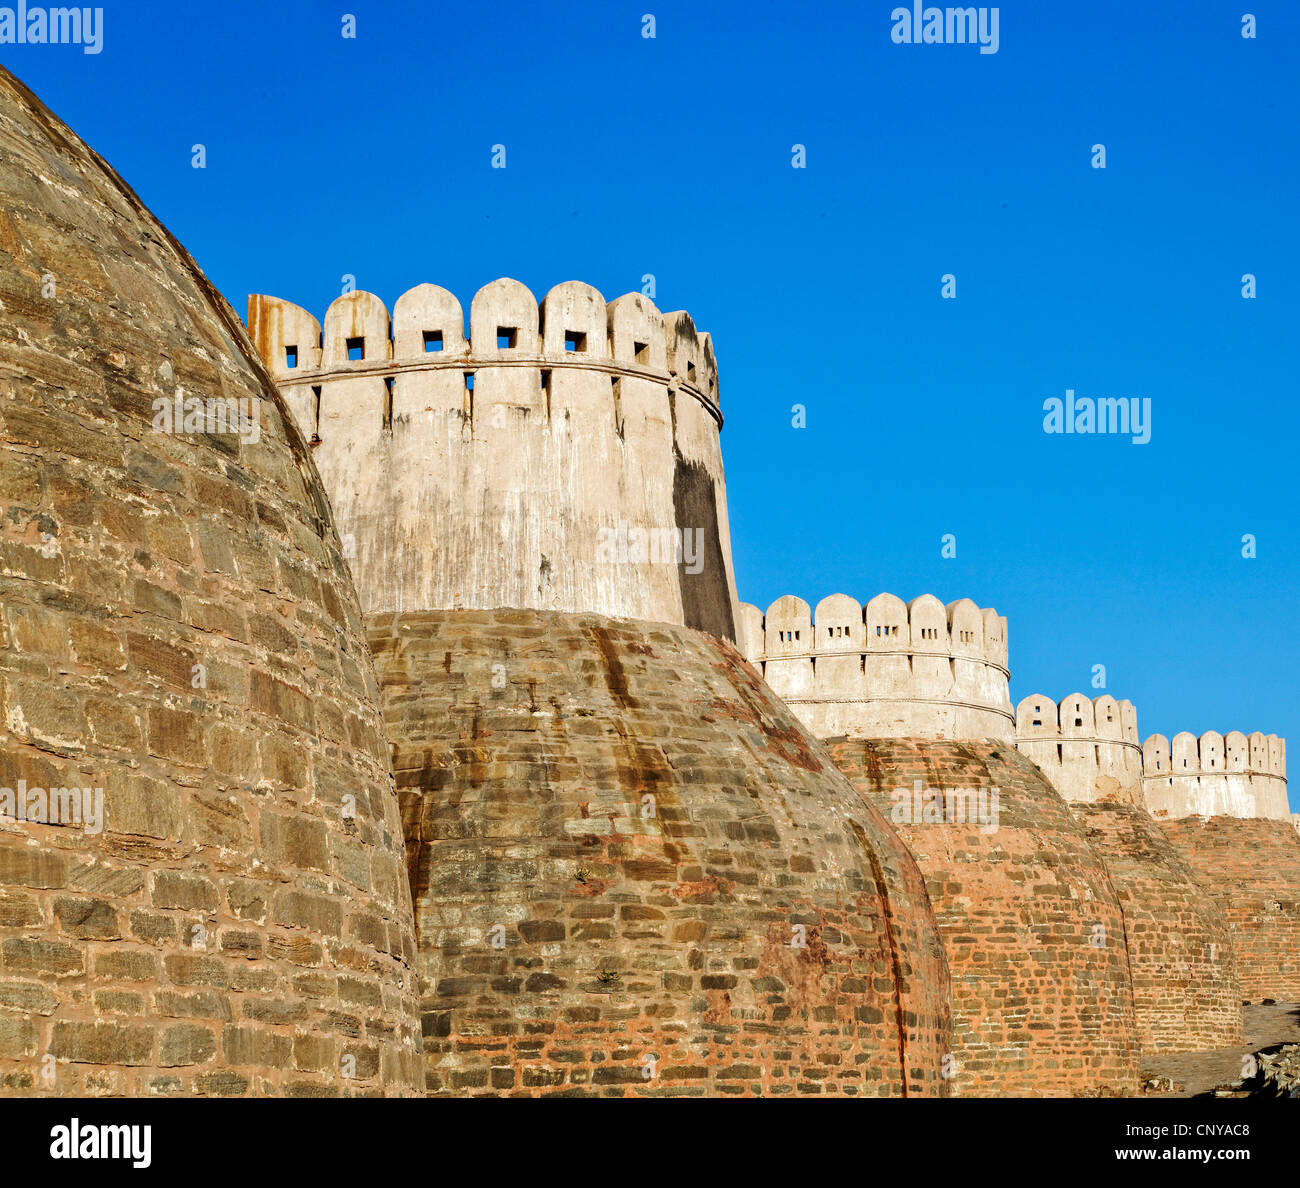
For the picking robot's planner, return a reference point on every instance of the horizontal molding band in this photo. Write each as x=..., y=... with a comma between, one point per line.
x=988, y=709
x=384, y=368
x=1212, y=773
x=1006, y=672
x=1053, y=739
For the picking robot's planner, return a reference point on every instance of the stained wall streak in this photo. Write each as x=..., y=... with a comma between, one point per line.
x=628, y=856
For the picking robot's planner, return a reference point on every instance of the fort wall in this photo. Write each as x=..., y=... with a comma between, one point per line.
x=1186, y=991
x=887, y=670
x=1251, y=868
x=559, y=456
x=201, y=860
x=1216, y=775
x=1042, y=995
x=1186, y=988
x=1089, y=749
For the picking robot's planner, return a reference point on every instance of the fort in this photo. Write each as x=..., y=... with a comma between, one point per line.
x=491, y=785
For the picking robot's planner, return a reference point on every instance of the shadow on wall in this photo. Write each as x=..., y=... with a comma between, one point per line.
x=705, y=601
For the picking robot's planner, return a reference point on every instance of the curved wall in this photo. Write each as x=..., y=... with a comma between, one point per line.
x=636, y=875
x=201, y=884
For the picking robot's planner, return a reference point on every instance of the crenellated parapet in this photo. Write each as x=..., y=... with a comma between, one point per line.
x=556, y=455
x=1216, y=775
x=572, y=326
x=1087, y=748
x=887, y=670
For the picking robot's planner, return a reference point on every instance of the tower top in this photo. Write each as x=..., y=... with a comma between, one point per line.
x=555, y=456
x=887, y=670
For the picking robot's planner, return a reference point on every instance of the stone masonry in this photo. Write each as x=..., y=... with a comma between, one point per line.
x=1042, y=1001
x=179, y=636
x=1186, y=992
x=636, y=875
x=1251, y=867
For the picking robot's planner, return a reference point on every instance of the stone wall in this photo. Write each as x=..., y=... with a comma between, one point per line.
x=1042, y=1001
x=636, y=875
x=1252, y=869
x=553, y=456
x=1186, y=990
x=886, y=670
x=1228, y=775
x=178, y=634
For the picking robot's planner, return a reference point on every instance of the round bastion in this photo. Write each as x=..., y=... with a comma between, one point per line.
x=634, y=872
x=887, y=670
x=559, y=455
x=201, y=879
x=912, y=700
x=1186, y=991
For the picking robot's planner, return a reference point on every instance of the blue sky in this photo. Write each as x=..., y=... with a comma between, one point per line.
x=625, y=156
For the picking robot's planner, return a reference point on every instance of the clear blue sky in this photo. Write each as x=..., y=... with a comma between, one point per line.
x=671, y=156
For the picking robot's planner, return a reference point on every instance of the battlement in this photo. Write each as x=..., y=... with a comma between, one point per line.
x=1088, y=749
x=572, y=326
x=556, y=455
x=887, y=670
x=1216, y=775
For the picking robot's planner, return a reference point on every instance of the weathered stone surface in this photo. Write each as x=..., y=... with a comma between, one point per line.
x=178, y=630
x=623, y=847
x=1042, y=1002
x=1186, y=992
x=1252, y=870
